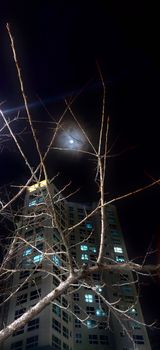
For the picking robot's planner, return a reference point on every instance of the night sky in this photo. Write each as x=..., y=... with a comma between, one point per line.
x=58, y=46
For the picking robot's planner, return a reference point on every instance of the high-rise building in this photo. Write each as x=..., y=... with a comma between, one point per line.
x=89, y=315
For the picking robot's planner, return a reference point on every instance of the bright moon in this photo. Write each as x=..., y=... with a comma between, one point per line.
x=71, y=137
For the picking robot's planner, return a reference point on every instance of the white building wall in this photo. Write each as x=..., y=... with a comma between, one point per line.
x=95, y=332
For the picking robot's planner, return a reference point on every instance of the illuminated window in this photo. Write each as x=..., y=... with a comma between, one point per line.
x=27, y=251
x=84, y=257
x=57, y=310
x=36, y=201
x=37, y=185
x=118, y=250
x=100, y=312
x=37, y=258
x=98, y=289
x=88, y=298
x=134, y=311
x=84, y=247
x=89, y=226
x=32, y=203
x=91, y=323
x=56, y=260
x=120, y=258
x=135, y=325
x=93, y=249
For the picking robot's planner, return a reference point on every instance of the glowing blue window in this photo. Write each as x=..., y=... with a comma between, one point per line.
x=84, y=247
x=135, y=325
x=89, y=226
x=100, y=312
x=27, y=251
x=37, y=258
x=120, y=258
x=32, y=203
x=91, y=323
x=35, y=201
x=98, y=289
x=56, y=260
x=84, y=257
x=88, y=298
x=93, y=249
x=133, y=311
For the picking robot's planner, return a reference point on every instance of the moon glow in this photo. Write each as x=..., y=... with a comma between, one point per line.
x=72, y=138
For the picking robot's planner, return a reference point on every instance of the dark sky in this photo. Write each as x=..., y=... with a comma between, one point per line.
x=58, y=45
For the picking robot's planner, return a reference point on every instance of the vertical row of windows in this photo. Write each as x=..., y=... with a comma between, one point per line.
x=56, y=343
x=57, y=326
x=78, y=338
x=56, y=310
x=65, y=316
x=65, y=332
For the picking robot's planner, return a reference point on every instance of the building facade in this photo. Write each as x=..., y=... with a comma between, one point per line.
x=103, y=313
